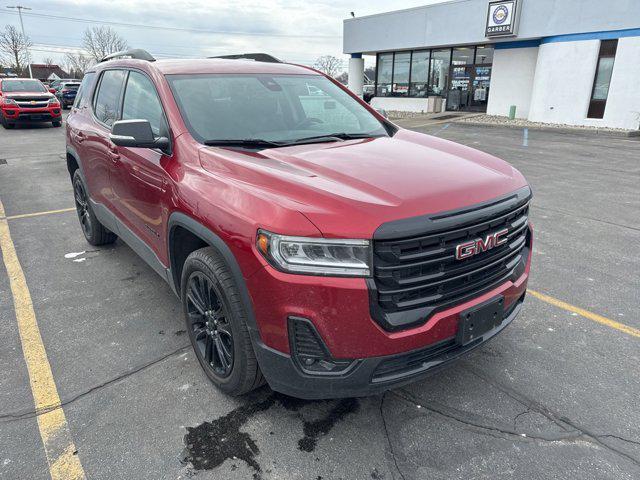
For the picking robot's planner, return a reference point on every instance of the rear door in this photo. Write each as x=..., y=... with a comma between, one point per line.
x=100, y=154
x=139, y=179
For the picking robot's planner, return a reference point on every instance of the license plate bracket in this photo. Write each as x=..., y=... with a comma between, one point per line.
x=478, y=320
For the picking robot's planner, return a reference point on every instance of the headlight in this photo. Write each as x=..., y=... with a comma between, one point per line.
x=316, y=256
x=53, y=101
x=9, y=101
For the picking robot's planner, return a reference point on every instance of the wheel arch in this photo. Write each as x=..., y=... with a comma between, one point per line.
x=73, y=162
x=199, y=236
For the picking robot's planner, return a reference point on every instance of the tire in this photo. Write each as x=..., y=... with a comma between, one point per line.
x=95, y=233
x=56, y=123
x=6, y=124
x=223, y=326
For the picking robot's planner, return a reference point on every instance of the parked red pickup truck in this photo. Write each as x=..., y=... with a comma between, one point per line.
x=25, y=100
x=313, y=243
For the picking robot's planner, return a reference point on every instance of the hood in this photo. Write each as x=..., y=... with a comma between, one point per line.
x=28, y=95
x=348, y=189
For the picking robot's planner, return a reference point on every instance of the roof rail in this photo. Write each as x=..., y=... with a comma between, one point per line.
x=258, y=57
x=136, y=53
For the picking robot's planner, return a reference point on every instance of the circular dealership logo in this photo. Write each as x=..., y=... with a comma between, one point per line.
x=500, y=14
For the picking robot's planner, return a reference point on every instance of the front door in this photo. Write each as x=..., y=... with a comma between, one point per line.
x=139, y=179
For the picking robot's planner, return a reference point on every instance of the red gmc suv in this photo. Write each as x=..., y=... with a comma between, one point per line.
x=25, y=100
x=313, y=243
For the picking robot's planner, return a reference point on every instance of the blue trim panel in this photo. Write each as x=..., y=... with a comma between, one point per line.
x=521, y=44
x=609, y=35
x=356, y=55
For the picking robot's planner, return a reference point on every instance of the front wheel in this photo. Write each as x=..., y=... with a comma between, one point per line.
x=216, y=321
x=56, y=123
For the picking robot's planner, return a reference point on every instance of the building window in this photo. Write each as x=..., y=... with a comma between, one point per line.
x=419, y=73
x=439, y=72
x=401, y=68
x=484, y=55
x=463, y=56
x=602, y=79
x=385, y=74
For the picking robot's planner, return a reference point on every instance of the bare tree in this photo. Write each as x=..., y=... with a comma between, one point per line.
x=329, y=65
x=343, y=78
x=370, y=74
x=14, y=48
x=76, y=64
x=101, y=41
x=48, y=61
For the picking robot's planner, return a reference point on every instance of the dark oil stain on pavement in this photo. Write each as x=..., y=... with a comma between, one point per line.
x=208, y=445
x=322, y=426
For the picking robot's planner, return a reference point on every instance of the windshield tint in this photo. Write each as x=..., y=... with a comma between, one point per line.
x=22, y=86
x=279, y=108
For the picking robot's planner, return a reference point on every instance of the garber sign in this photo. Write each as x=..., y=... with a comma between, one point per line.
x=502, y=18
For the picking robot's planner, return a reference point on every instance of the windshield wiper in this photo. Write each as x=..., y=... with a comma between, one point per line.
x=243, y=142
x=330, y=137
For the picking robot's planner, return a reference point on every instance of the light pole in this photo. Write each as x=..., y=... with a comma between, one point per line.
x=20, y=8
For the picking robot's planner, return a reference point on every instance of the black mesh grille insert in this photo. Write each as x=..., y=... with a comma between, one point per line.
x=305, y=339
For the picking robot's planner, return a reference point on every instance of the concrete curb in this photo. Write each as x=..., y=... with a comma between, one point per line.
x=572, y=131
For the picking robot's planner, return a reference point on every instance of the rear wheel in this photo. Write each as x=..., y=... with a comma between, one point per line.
x=216, y=321
x=95, y=233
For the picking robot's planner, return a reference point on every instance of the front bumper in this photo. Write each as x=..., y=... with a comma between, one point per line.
x=31, y=115
x=373, y=375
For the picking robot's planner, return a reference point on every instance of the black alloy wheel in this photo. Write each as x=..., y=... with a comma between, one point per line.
x=82, y=207
x=210, y=325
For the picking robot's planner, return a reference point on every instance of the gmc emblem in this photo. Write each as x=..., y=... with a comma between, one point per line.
x=469, y=249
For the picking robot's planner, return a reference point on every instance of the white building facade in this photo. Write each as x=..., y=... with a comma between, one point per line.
x=574, y=62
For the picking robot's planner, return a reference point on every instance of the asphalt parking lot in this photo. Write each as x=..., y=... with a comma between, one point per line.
x=555, y=396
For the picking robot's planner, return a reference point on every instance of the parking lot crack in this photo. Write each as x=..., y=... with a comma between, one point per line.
x=21, y=415
x=563, y=422
x=386, y=434
x=465, y=419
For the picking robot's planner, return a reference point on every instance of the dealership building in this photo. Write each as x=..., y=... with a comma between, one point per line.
x=574, y=62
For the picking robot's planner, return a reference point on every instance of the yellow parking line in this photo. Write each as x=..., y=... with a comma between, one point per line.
x=62, y=456
x=36, y=214
x=634, y=332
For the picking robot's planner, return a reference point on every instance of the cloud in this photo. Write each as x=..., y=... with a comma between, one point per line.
x=295, y=31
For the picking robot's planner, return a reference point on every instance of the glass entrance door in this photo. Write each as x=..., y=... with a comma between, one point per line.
x=469, y=88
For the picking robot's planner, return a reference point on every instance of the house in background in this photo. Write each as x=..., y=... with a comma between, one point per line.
x=47, y=73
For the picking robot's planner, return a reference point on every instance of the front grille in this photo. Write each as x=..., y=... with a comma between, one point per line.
x=32, y=105
x=421, y=275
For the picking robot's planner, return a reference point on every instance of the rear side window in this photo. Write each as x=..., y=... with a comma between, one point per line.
x=85, y=86
x=107, y=101
x=141, y=102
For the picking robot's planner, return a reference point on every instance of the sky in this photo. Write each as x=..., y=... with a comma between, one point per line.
x=295, y=31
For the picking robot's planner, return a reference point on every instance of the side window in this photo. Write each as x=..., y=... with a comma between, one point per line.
x=81, y=98
x=107, y=100
x=141, y=102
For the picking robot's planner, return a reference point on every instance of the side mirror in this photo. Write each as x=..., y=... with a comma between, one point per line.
x=136, y=133
x=52, y=90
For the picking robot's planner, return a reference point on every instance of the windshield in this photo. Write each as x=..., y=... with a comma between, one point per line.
x=22, y=86
x=275, y=108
